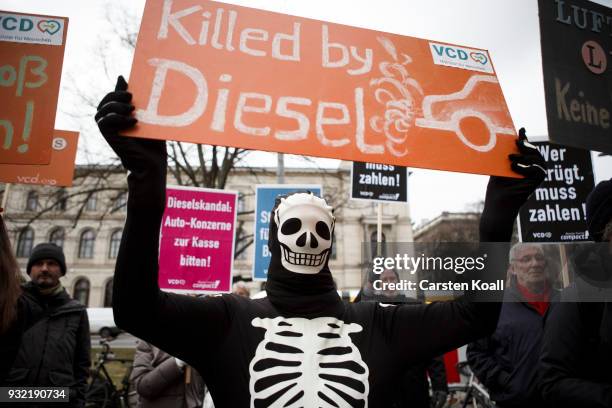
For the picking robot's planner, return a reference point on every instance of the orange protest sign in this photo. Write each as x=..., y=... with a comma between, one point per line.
x=31, y=56
x=59, y=171
x=208, y=72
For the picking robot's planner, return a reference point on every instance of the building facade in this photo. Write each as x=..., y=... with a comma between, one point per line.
x=449, y=227
x=89, y=226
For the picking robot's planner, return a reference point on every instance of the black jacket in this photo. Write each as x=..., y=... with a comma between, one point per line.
x=227, y=338
x=54, y=344
x=413, y=389
x=577, y=356
x=577, y=351
x=261, y=352
x=507, y=362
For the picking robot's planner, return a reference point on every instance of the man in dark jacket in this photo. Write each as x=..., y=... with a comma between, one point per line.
x=577, y=351
x=54, y=345
x=507, y=362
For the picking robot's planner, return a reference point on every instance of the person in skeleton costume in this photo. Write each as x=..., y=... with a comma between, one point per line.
x=301, y=346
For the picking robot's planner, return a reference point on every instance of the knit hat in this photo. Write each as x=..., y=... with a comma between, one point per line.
x=599, y=209
x=47, y=250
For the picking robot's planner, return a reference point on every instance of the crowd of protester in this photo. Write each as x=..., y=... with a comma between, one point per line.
x=529, y=351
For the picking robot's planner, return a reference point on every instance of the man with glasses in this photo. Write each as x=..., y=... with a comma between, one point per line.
x=506, y=362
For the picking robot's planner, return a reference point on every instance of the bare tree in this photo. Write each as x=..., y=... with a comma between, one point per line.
x=188, y=164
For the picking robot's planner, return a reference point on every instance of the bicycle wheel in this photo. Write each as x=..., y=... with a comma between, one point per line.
x=460, y=395
x=481, y=401
x=456, y=395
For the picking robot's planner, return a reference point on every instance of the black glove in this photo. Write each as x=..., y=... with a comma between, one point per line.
x=506, y=195
x=528, y=163
x=438, y=399
x=145, y=159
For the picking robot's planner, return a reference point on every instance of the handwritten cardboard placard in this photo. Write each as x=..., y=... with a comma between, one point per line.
x=31, y=57
x=209, y=72
x=196, y=250
x=60, y=170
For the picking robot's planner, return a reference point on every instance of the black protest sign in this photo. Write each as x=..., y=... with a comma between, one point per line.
x=556, y=211
x=576, y=40
x=379, y=182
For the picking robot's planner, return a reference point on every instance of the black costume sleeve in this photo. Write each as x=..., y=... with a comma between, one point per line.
x=565, y=340
x=445, y=326
x=174, y=323
x=448, y=325
x=82, y=359
x=178, y=324
x=485, y=365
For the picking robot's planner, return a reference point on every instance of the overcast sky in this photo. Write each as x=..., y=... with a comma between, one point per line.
x=509, y=29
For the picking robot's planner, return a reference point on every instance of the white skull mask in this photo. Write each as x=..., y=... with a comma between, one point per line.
x=305, y=225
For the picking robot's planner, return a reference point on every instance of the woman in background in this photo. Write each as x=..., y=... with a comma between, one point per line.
x=10, y=290
x=160, y=380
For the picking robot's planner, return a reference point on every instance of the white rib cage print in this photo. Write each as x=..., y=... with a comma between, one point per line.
x=310, y=363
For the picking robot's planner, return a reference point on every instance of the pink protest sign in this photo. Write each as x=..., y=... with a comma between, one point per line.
x=196, y=249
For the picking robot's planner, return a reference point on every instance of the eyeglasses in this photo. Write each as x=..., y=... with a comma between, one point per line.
x=529, y=258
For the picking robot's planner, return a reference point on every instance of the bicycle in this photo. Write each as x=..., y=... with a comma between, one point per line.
x=471, y=393
x=101, y=392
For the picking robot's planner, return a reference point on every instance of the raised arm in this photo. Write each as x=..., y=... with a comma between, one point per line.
x=139, y=306
x=448, y=325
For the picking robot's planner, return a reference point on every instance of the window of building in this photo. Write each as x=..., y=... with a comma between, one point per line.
x=81, y=291
x=241, y=204
x=32, y=201
x=92, y=202
x=25, y=242
x=120, y=202
x=108, y=293
x=115, y=241
x=86, y=244
x=373, y=244
x=57, y=236
x=61, y=200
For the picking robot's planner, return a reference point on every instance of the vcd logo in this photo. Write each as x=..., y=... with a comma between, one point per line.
x=456, y=53
x=25, y=24
x=11, y=23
